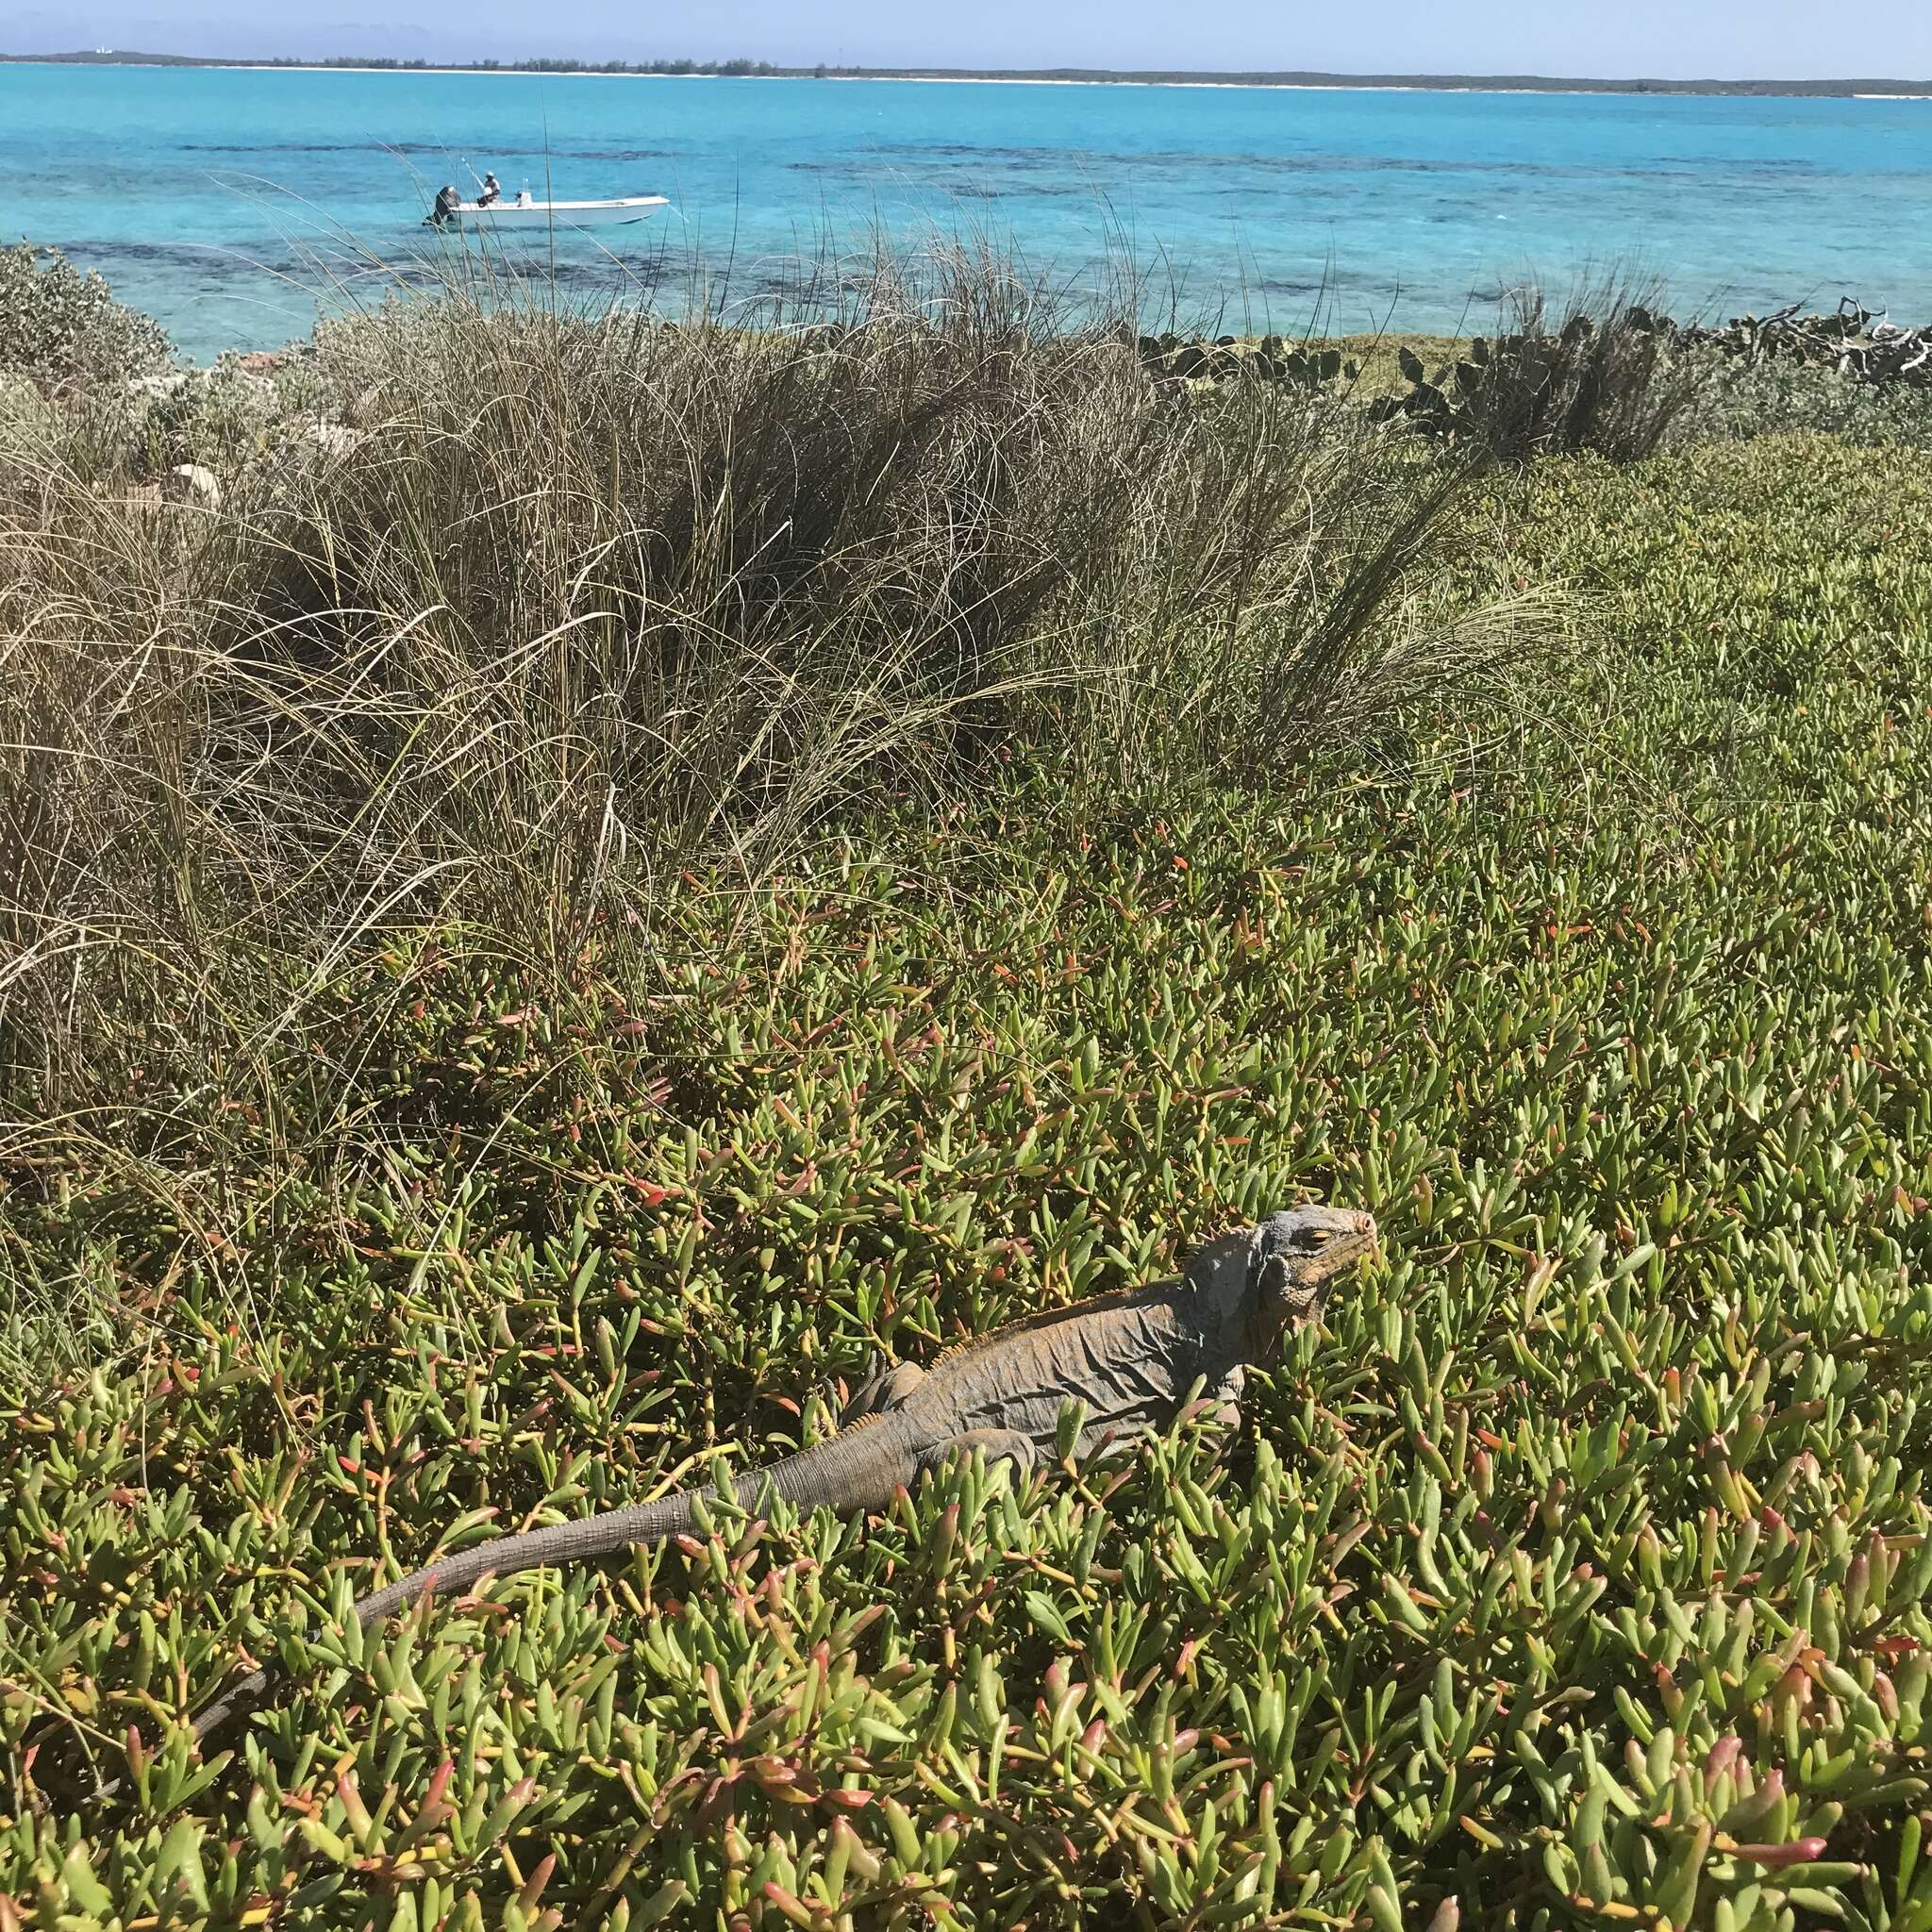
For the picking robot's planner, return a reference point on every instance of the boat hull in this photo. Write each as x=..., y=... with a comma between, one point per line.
x=565, y=214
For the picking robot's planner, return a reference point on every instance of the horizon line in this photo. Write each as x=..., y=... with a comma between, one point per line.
x=564, y=66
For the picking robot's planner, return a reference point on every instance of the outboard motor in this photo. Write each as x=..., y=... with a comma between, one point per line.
x=447, y=202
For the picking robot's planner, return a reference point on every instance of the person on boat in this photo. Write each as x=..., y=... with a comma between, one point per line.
x=490, y=192
x=447, y=202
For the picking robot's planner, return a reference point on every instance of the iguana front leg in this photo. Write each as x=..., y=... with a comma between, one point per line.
x=885, y=1387
x=1227, y=1397
x=997, y=1445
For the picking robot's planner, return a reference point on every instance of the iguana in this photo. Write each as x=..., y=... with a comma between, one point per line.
x=1130, y=1358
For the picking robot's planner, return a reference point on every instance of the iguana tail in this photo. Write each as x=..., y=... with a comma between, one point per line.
x=556, y=1543
x=857, y=1469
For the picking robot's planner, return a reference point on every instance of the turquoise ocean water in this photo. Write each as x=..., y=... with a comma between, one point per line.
x=207, y=197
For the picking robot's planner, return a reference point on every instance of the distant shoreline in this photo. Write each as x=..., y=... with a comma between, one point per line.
x=1860, y=88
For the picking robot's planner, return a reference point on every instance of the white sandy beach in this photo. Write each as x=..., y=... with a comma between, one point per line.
x=1277, y=87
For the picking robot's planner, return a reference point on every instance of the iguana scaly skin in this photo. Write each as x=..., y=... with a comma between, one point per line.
x=1130, y=1358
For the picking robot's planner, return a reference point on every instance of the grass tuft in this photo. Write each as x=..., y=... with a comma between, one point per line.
x=532, y=608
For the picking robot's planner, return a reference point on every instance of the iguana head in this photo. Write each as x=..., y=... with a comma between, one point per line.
x=1273, y=1278
x=1297, y=1254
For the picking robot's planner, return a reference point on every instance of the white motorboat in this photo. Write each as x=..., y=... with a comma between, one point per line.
x=526, y=213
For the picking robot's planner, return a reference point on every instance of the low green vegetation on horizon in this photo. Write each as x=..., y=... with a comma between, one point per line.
x=743, y=68
x=416, y=1136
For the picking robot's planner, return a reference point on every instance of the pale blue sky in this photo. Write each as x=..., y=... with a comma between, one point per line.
x=1669, y=38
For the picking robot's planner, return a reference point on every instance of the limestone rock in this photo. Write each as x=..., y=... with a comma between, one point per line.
x=194, y=484
x=332, y=439
x=163, y=388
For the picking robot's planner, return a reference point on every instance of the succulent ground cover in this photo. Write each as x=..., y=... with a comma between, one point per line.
x=1572, y=1575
